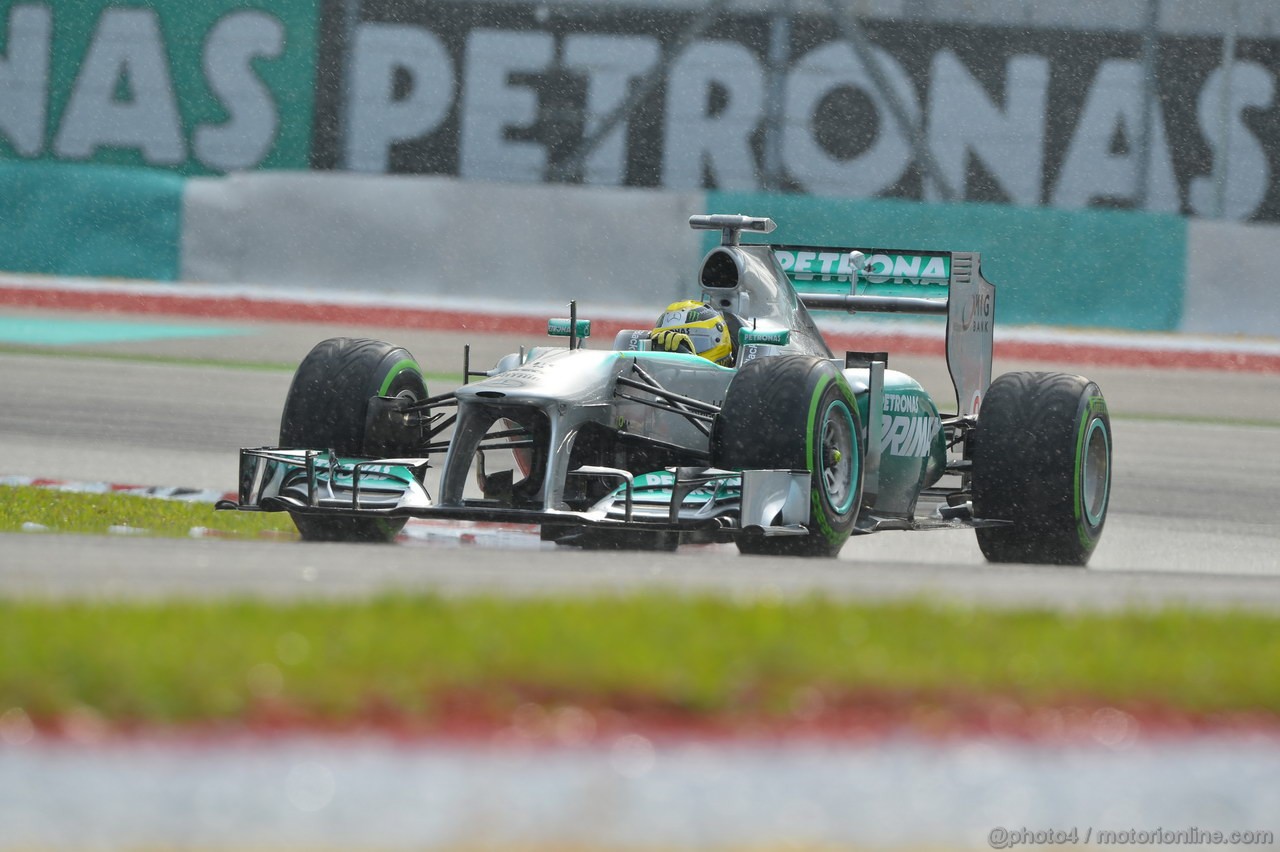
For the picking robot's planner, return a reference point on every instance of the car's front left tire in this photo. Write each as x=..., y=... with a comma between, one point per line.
x=796, y=412
x=327, y=407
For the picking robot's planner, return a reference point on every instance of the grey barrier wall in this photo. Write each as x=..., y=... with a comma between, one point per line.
x=1233, y=279
x=494, y=245
x=482, y=242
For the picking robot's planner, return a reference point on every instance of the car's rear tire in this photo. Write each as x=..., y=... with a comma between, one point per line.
x=327, y=407
x=1042, y=459
x=796, y=412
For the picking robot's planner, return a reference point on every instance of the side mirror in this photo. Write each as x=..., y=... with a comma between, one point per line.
x=573, y=328
x=567, y=328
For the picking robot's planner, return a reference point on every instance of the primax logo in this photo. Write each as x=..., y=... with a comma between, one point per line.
x=905, y=435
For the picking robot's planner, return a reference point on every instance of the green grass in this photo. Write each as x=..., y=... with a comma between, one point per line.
x=415, y=656
x=70, y=512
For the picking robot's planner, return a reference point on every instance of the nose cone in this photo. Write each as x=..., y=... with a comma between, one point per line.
x=578, y=376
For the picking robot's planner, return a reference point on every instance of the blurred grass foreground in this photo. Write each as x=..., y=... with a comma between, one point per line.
x=427, y=663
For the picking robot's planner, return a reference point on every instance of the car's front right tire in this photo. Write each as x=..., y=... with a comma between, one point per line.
x=1042, y=459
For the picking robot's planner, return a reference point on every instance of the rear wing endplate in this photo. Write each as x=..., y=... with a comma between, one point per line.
x=945, y=283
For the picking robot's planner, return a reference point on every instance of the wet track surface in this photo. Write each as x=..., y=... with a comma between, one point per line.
x=1192, y=511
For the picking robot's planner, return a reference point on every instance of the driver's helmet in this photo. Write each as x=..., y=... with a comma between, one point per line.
x=694, y=327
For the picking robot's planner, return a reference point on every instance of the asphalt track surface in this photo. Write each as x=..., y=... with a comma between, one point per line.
x=1192, y=521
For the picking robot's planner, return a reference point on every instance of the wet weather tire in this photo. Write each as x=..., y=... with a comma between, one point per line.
x=1042, y=459
x=326, y=409
x=796, y=412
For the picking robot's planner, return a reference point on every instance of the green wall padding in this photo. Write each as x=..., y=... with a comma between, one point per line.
x=1085, y=268
x=184, y=29
x=99, y=221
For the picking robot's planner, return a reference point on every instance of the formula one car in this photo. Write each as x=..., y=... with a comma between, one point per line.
x=787, y=450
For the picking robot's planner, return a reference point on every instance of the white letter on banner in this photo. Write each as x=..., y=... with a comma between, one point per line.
x=820, y=72
x=1248, y=175
x=246, y=138
x=1091, y=171
x=127, y=52
x=491, y=105
x=611, y=63
x=694, y=139
x=377, y=119
x=24, y=78
x=963, y=120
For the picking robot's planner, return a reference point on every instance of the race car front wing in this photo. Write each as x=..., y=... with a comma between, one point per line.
x=716, y=504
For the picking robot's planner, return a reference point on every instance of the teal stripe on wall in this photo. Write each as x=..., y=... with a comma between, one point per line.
x=100, y=221
x=1106, y=268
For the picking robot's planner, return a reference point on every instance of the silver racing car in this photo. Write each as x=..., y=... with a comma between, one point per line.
x=785, y=449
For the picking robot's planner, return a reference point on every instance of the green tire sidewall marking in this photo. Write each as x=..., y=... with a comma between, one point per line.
x=399, y=367
x=396, y=369
x=813, y=413
x=1092, y=418
x=816, y=490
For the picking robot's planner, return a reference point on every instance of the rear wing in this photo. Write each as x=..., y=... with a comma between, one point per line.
x=911, y=281
x=945, y=283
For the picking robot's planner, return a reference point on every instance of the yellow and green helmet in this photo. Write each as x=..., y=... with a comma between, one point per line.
x=703, y=324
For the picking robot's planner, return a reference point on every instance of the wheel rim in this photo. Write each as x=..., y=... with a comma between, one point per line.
x=838, y=456
x=1095, y=471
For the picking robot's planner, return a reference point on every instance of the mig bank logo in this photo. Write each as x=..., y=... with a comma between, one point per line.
x=975, y=312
